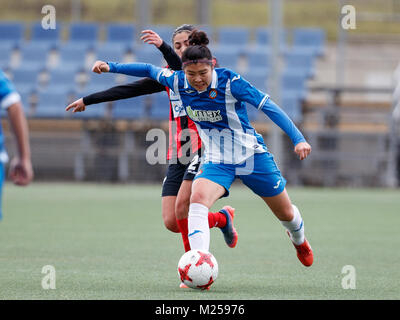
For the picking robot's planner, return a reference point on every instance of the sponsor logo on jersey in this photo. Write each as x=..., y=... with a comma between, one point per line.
x=204, y=115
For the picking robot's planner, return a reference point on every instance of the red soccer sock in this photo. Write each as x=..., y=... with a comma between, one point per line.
x=216, y=219
x=183, y=227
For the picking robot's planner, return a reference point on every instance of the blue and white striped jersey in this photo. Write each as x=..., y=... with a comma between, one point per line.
x=220, y=111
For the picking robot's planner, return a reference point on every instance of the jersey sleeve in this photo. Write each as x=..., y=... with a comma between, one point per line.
x=138, y=88
x=162, y=75
x=244, y=91
x=8, y=94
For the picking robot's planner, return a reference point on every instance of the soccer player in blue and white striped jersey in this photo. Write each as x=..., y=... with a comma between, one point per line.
x=21, y=172
x=215, y=100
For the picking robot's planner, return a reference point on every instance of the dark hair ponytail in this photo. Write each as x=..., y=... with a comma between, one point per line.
x=197, y=50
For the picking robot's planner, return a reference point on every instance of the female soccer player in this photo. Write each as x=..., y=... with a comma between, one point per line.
x=215, y=100
x=178, y=182
x=21, y=172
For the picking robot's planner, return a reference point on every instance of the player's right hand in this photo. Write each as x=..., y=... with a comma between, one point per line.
x=76, y=106
x=151, y=37
x=21, y=172
x=100, y=66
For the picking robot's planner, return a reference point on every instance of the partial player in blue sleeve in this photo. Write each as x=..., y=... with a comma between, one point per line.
x=21, y=172
x=215, y=99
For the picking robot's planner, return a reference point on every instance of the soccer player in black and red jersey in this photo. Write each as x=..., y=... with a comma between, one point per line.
x=177, y=184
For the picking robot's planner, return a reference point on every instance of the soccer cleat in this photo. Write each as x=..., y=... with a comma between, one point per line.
x=304, y=252
x=183, y=286
x=229, y=231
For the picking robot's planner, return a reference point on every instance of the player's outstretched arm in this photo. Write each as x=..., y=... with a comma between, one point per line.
x=173, y=60
x=21, y=172
x=126, y=91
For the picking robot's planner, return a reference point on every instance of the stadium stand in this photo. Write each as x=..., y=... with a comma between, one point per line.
x=233, y=46
x=6, y=50
x=134, y=108
x=300, y=62
x=51, y=104
x=120, y=33
x=72, y=57
x=233, y=36
x=47, y=37
x=145, y=53
x=263, y=37
x=26, y=79
x=33, y=55
x=97, y=82
x=83, y=35
x=160, y=106
x=11, y=32
x=309, y=39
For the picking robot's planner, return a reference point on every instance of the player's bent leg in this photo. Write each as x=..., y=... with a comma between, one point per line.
x=168, y=213
x=182, y=210
x=291, y=219
x=204, y=193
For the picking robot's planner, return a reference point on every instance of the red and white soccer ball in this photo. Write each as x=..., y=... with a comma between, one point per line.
x=198, y=269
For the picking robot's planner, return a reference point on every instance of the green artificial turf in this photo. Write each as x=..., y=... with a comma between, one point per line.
x=108, y=241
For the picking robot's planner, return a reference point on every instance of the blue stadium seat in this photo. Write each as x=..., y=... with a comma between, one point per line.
x=6, y=50
x=148, y=54
x=129, y=109
x=110, y=52
x=233, y=35
x=159, y=106
x=226, y=57
x=51, y=105
x=83, y=34
x=120, y=33
x=72, y=57
x=294, y=83
x=26, y=78
x=11, y=32
x=51, y=37
x=100, y=82
x=34, y=55
x=291, y=104
x=259, y=59
x=62, y=80
x=263, y=37
x=300, y=62
x=164, y=31
x=312, y=39
x=258, y=78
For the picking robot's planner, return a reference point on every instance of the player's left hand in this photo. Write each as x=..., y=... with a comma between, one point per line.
x=151, y=37
x=302, y=149
x=21, y=172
